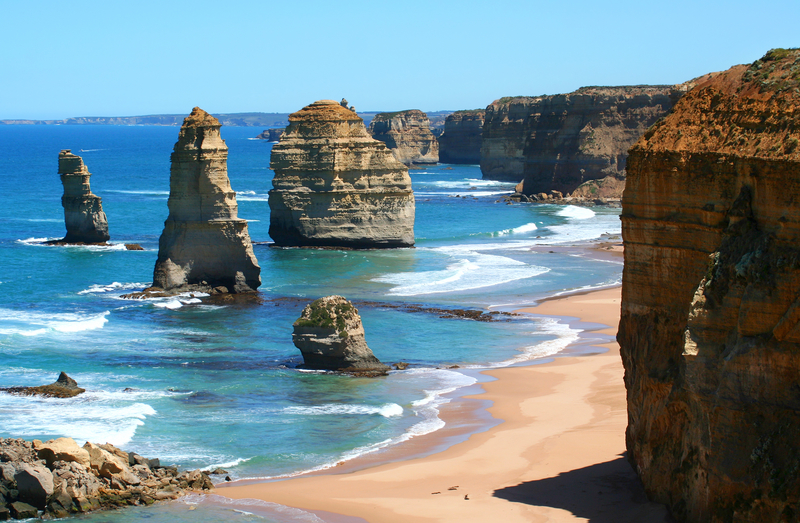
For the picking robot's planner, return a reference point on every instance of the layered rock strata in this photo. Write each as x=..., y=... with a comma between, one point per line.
x=61, y=479
x=83, y=211
x=330, y=335
x=461, y=141
x=335, y=186
x=408, y=135
x=205, y=244
x=710, y=325
x=559, y=142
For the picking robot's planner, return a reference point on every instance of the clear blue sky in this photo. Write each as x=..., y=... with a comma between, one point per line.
x=91, y=58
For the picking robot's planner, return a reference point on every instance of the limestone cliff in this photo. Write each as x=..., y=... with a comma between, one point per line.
x=83, y=211
x=558, y=142
x=271, y=135
x=710, y=325
x=407, y=134
x=336, y=186
x=461, y=141
x=204, y=244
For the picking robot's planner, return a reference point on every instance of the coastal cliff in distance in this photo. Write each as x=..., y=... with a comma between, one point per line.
x=230, y=119
x=461, y=140
x=710, y=324
x=336, y=186
x=271, y=135
x=408, y=135
x=204, y=245
x=558, y=142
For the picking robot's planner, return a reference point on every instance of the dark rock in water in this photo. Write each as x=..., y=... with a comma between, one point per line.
x=20, y=510
x=133, y=247
x=330, y=335
x=64, y=387
x=83, y=212
x=204, y=244
x=271, y=135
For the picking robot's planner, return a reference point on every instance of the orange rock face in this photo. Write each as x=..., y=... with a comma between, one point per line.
x=710, y=331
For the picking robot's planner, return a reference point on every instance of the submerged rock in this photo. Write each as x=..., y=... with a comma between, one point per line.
x=83, y=212
x=330, y=335
x=710, y=325
x=335, y=186
x=205, y=245
x=63, y=387
x=408, y=135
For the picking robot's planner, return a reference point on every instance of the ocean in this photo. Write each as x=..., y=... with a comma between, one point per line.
x=200, y=384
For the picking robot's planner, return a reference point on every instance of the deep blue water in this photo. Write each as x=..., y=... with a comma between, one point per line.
x=202, y=385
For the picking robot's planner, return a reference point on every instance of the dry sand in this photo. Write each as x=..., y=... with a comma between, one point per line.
x=557, y=455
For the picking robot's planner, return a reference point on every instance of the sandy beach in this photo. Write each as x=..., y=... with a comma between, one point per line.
x=556, y=456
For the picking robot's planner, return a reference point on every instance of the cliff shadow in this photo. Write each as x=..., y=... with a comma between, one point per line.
x=609, y=492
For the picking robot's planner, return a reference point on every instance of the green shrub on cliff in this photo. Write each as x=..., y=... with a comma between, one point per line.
x=325, y=314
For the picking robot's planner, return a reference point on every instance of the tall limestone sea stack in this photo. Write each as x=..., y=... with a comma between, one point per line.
x=83, y=211
x=335, y=186
x=710, y=326
x=461, y=141
x=408, y=134
x=205, y=244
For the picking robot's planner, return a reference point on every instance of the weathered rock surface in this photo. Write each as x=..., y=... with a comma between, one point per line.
x=33, y=477
x=336, y=186
x=407, y=134
x=330, y=335
x=205, y=245
x=271, y=135
x=461, y=141
x=63, y=387
x=559, y=142
x=83, y=212
x=710, y=332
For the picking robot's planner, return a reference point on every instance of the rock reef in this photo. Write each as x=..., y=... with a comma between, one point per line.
x=205, y=245
x=335, y=186
x=330, y=336
x=461, y=140
x=63, y=387
x=559, y=142
x=83, y=211
x=710, y=324
x=61, y=479
x=408, y=135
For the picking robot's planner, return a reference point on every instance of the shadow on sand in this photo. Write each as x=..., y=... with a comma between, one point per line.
x=607, y=492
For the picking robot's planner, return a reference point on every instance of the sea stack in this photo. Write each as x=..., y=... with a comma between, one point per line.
x=335, y=186
x=408, y=135
x=710, y=326
x=461, y=141
x=83, y=212
x=205, y=245
x=330, y=335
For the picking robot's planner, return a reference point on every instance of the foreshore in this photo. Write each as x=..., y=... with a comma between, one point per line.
x=557, y=455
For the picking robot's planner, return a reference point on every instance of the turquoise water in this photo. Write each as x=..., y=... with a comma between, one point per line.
x=203, y=385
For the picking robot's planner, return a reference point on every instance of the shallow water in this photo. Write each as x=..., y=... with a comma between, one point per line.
x=201, y=385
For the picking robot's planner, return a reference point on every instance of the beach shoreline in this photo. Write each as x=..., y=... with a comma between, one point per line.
x=553, y=449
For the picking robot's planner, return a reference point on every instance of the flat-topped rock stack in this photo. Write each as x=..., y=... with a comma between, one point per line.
x=461, y=141
x=205, y=245
x=408, y=135
x=336, y=186
x=83, y=211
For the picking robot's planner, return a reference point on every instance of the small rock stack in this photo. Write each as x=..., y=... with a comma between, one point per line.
x=83, y=212
x=61, y=478
x=408, y=135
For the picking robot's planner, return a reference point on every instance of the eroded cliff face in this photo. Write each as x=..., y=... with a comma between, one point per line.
x=335, y=186
x=461, y=141
x=204, y=244
x=710, y=326
x=558, y=142
x=83, y=211
x=407, y=134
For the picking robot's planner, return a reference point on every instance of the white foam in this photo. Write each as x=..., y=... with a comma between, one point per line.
x=389, y=410
x=28, y=323
x=36, y=241
x=522, y=229
x=576, y=213
x=114, y=286
x=259, y=508
x=462, y=193
x=177, y=301
x=467, y=183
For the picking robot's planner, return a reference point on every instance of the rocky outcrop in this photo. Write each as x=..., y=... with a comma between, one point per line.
x=335, y=186
x=710, y=325
x=62, y=479
x=330, y=335
x=83, y=212
x=271, y=135
x=205, y=245
x=407, y=134
x=63, y=387
x=559, y=142
x=461, y=141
